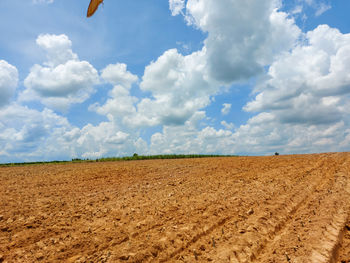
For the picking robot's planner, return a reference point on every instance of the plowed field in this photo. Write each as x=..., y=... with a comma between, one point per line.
x=239, y=209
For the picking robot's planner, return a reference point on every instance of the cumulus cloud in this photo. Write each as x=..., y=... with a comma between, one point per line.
x=59, y=82
x=226, y=107
x=63, y=80
x=117, y=74
x=30, y=135
x=303, y=103
x=120, y=107
x=311, y=83
x=242, y=39
x=261, y=135
x=300, y=105
x=172, y=80
x=179, y=87
x=238, y=47
x=8, y=81
x=58, y=49
x=192, y=138
x=27, y=134
x=176, y=6
x=264, y=133
x=105, y=139
x=243, y=36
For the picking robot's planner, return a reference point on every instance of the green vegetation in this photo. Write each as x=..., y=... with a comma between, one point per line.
x=126, y=158
x=161, y=156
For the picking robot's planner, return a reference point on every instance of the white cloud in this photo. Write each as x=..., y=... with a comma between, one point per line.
x=30, y=135
x=120, y=107
x=309, y=84
x=243, y=36
x=58, y=49
x=322, y=8
x=298, y=9
x=262, y=134
x=228, y=126
x=226, y=107
x=176, y=6
x=303, y=103
x=319, y=6
x=117, y=74
x=179, y=86
x=97, y=141
x=106, y=139
x=173, y=80
x=190, y=138
x=8, y=82
x=63, y=80
x=242, y=39
x=266, y=134
x=238, y=47
x=27, y=134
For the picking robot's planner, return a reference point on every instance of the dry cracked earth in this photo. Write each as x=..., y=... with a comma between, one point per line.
x=240, y=209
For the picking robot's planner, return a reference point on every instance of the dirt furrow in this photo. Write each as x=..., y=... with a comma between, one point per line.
x=268, y=226
x=254, y=233
x=342, y=253
x=318, y=223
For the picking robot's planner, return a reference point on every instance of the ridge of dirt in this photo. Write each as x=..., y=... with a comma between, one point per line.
x=243, y=209
x=342, y=250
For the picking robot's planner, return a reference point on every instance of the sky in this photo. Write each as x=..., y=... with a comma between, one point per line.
x=245, y=77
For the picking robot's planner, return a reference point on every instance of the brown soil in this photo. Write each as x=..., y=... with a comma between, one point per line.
x=241, y=209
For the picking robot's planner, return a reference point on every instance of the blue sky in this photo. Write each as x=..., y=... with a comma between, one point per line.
x=179, y=76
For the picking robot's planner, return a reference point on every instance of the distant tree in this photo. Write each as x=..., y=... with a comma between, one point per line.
x=276, y=153
x=135, y=155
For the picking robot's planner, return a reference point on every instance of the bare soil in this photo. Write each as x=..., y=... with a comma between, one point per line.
x=239, y=209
